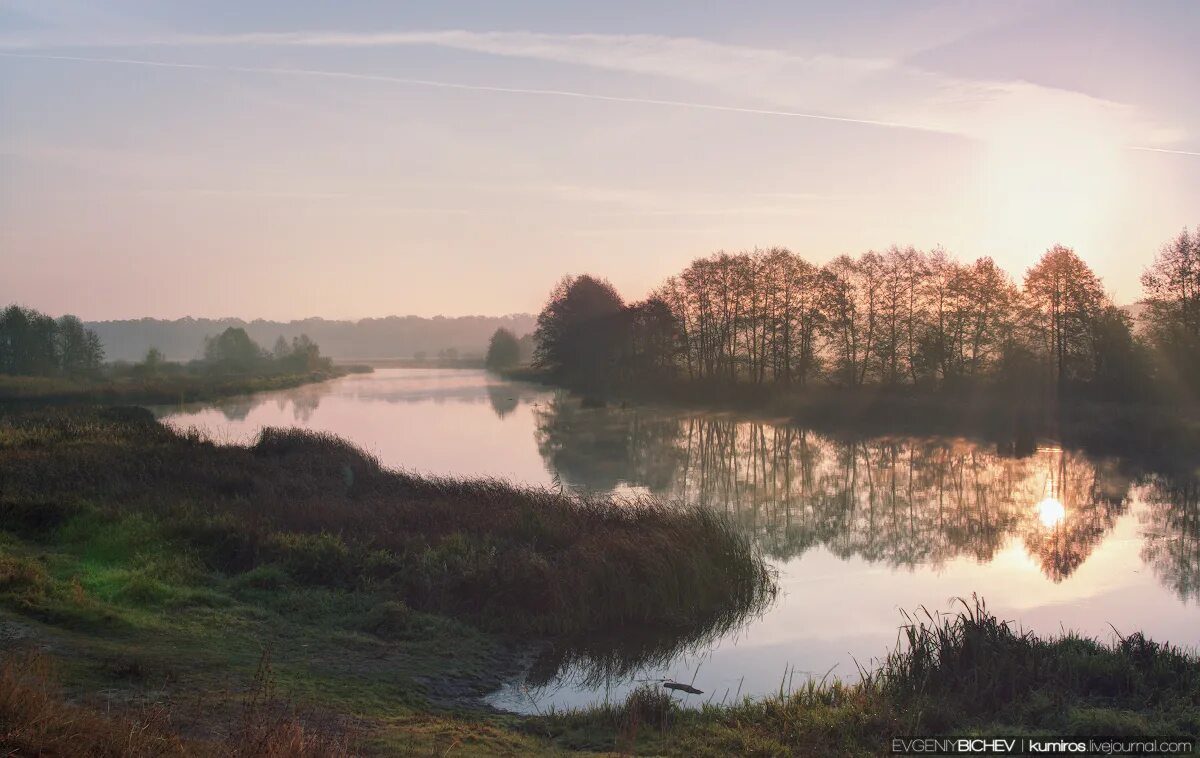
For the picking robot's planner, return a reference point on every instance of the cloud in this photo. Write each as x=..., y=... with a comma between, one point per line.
x=751, y=80
x=472, y=87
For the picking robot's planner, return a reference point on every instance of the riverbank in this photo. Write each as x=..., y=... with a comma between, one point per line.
x=430, y=363
x=162, y=570
x=968, y=674
x=175, y=387
x=964, y=674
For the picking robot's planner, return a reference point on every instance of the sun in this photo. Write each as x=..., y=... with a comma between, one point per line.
x=1051, y=512
x=1044, y=182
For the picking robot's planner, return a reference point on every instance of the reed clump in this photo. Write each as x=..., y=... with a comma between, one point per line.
x=968, y=672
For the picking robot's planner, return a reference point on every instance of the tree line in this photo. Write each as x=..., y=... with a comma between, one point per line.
x=234, y=352
x=364, y=339
x=898, y=318
x=34, y=344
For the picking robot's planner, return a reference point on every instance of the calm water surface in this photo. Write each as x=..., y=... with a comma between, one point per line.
x=857, y=528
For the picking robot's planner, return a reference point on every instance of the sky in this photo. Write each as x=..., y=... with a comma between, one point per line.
x=352, y=159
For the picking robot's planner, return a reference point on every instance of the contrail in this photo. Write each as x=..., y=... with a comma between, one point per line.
x=521, y=91
x=1164, y=150
x=483, y=88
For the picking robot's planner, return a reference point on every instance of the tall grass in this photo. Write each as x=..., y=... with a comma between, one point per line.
x=966, y=672
x=37, y=719
x=327, y=513
x=972, y=664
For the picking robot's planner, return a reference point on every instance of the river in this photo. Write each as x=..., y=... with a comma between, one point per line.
x=858, y=529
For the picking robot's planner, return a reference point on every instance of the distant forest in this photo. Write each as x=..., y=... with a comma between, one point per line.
x=901, y=319
x=376, y=338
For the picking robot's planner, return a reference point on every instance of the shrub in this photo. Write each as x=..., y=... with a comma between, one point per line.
x=320, y=559
x=390, y=620
x=268, y=577
x=23, y=576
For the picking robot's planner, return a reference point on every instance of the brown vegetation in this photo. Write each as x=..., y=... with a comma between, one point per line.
x=37, y=719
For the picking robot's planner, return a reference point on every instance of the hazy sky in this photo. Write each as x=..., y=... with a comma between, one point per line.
x=363, y=159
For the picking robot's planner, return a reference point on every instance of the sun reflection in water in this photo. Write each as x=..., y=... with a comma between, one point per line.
x=1051, y=512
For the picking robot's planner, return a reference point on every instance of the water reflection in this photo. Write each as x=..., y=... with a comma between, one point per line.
x=300, y=404
x=598, y=661
x=600, y=449
x=902, y=502
x=897, y=501
x=1172, y=532
x=1052, y=537
x=1051, y=512
x=504, y=399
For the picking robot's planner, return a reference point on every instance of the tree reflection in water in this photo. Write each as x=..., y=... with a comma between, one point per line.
x=1091, y=496
x=900, y=501
x=503, y=398
x=617, y=654
x=1172, y=529
x=304, y=401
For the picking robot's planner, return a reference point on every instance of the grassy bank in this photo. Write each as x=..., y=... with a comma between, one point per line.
x=970, y=674
x=318, y=510
x=967, y=674
x=152, y=561
x=155, y=390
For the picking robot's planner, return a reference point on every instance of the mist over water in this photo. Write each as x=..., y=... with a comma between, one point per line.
x=857, y=528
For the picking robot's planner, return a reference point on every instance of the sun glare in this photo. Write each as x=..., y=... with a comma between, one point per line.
x=1049, y=182
x=1051, y=512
